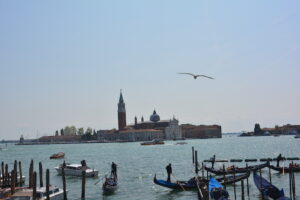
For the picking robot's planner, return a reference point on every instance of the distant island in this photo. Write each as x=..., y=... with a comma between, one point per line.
x=142, y=130
x=276, y=131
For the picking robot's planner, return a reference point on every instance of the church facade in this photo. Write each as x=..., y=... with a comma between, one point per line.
x=143, y=130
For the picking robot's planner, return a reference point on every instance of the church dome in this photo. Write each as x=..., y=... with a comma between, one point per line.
x=154, y=117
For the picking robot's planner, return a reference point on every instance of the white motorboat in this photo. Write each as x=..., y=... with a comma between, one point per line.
x=55, y=193
x=76, y=170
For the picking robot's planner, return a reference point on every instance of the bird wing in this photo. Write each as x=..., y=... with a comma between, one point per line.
x=205, y=76
x=187, y=73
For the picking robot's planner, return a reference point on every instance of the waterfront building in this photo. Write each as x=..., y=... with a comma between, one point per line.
x=201, y=131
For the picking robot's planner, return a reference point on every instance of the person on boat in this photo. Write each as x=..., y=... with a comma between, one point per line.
x=83, y=165
x=278, y=159
x=113, y=169
x=213, y=160
x=169, y=171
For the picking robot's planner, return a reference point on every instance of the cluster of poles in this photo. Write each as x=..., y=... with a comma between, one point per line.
x=9, y=179
x=204, y=194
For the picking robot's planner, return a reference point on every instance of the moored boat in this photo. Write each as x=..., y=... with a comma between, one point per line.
x=192, y=182
x=236, y=170
x=216, y=190
x=295, y=168
x=76, y=170
x=57, y=155
x=267, y=189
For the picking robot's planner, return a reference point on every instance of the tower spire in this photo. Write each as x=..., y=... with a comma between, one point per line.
x=121, y=112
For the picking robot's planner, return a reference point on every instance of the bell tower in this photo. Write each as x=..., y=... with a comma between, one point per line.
x=121, y=113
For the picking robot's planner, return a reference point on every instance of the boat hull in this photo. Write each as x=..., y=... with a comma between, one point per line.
x=73, y=172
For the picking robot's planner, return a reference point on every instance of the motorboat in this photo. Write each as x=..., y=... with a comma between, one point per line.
x=57, y=155
x=76, y=170
x=153, y=142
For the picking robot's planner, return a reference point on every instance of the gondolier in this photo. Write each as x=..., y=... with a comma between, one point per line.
x=169, y=171
x=278, y=159
x=114, y=169
x=213, y=160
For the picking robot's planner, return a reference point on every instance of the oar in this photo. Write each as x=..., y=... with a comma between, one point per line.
x=98, y=181
x=178, y=182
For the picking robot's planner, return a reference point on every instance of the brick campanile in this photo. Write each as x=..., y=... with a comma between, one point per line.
x=121, y=113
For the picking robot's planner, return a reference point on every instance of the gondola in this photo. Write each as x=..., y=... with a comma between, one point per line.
x=110, y=185
x=232, y=170
x=267, y=189
x=178, y=185
x=216, y=190
x=295, y=168
x=192, y=184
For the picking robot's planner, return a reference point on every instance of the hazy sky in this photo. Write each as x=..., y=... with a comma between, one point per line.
x=64, y=63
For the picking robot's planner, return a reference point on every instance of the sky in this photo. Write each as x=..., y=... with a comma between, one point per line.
x=65, y=62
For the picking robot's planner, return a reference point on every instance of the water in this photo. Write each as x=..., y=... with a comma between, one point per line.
x=137, y=164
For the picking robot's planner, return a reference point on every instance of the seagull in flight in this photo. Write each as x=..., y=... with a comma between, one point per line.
x=197, y=75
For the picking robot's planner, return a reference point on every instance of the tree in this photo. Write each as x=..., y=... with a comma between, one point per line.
x=80, y=131
x=89, y=130
x=62, y=132
x=257, y=129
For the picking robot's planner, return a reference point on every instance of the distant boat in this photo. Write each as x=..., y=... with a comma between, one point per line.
x=55, y=193
x=76, y=170
x=153, y=142
x=297, y=136
x=57, y=155
x=267, y=189
x=216, y=190
x=181, y=143
x=110, y=185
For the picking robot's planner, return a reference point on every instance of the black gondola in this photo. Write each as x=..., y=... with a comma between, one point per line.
x=267, y=189
x=232, y=169
x=192, y=184
x=294, y=168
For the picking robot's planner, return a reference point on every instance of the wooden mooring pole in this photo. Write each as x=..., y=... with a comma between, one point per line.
x=47, y=184
x=41, y=174
x=193, y=155
x=16, y=172
x=243, y=193
x=12, y=182
x=83, y=185
x=20, y=172
x=34, y=186
x=31, y=174
x=224, y=174
x=64, y=181
x=234, y=189
x=247, y=182
x=196, y=162
x=3, y=174
x=6, y=176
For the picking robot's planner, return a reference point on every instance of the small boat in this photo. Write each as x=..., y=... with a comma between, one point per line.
x=57, y=155
x=110, y=185
x=192, y=183
x=295, y=168
x=216, y=190
x=178, y=185
x=55, y=193
x=76, y=170
x=153, y=142
x=297, y=136
x=267, y=189
x=181, y=143
x=233, y=169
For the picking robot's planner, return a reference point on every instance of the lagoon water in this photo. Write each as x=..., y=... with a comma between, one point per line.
x=137, y=164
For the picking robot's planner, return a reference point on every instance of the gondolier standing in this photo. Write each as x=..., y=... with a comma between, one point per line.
x=169, y=171
x=114, y=169
x=213, y=160
x=279, y=158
